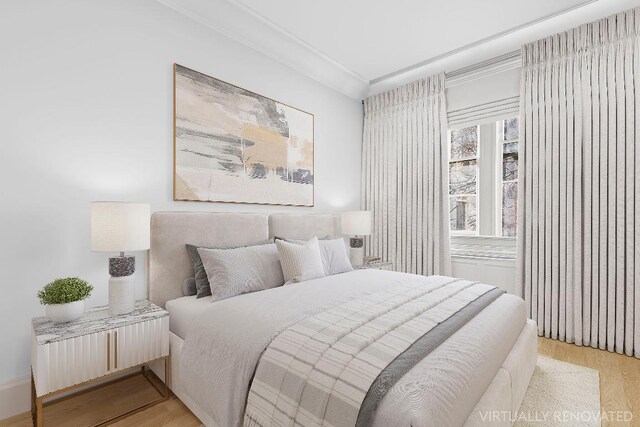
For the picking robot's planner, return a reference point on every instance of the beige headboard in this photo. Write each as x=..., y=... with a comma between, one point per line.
x=169, y=264
x=303, y=227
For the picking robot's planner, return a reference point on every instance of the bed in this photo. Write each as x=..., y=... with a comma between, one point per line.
x=220, y=350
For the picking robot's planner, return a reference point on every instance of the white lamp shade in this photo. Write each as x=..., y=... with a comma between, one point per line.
x=120, y=226
x=356, y=223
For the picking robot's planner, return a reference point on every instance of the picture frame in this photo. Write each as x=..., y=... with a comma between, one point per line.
x=233, y=145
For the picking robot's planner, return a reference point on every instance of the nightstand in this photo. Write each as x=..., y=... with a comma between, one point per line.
x=95, y=347
x=376, y=265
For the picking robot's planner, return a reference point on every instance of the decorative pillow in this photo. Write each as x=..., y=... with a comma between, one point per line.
x=300, y=262
x=203, y=288
x=335, y=258
x=237, y=271
x=189, y=287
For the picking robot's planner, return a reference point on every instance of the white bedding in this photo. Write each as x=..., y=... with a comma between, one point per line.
x=445, y=386
x=225, y=340
x=183, y=310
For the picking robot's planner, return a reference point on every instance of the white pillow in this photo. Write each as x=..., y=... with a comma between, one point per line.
x=300, y=262
x=237, y=271
x=335, y=258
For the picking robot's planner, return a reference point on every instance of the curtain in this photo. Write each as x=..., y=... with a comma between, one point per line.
x=578, y=263
x=405, y=177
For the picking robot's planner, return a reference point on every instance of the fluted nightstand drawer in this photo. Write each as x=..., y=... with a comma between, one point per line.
x=140, y=343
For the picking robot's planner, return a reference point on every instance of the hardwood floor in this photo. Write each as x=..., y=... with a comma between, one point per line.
x=619, y=388
x=105, y=402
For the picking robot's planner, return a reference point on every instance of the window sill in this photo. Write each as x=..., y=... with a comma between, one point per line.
x=485, y=247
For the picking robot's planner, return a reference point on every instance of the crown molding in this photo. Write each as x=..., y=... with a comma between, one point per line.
x=507, y=41
x=243, y=25
x=478, y=43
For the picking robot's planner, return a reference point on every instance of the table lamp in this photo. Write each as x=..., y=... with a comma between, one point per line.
x=356, y=223
x=120, y=227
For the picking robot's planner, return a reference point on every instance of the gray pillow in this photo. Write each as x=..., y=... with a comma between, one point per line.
x=335, y=258
x=203, y=287
x=189, y=287
x=237, y=271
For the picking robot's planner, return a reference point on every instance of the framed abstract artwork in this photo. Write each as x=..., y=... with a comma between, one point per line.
x=233, y=145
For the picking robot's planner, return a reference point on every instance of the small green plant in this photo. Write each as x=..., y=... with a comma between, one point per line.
x=62, y=291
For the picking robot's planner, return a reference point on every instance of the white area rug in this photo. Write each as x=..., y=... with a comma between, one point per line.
x=561, y=394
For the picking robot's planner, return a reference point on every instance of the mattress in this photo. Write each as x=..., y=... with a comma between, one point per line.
x=183, y=310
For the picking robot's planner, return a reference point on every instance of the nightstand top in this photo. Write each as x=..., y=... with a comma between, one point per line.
x=96, y=319
x=377, y=265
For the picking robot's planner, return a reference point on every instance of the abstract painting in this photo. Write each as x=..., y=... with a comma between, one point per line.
x=233, y=145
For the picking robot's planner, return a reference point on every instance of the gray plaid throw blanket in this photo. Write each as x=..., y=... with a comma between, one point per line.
x=334, y=368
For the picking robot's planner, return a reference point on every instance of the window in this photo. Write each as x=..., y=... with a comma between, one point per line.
x=463, y=178
x=483, y=179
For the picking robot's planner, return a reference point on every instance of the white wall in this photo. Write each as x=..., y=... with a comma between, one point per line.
x=86, y=114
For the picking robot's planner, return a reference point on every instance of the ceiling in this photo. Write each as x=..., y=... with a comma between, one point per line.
x=374, y=42
x=363, y=47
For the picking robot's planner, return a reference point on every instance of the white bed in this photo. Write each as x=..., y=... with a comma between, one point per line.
x=182, y=312
x=487, y=364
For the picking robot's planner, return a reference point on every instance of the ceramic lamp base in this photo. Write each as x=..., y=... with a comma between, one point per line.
x=356, y=256
x=122, y=298
x=356, y=251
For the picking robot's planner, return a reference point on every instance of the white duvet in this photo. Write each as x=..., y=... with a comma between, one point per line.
x=225, y=342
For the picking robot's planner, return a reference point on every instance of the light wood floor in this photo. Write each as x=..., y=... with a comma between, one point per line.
x=619, y=388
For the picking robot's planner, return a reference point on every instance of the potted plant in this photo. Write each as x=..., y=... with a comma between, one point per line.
x=64, y=299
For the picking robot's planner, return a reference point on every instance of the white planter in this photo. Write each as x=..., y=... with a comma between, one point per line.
x=60, y=313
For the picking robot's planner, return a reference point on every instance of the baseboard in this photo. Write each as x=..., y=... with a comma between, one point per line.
x=15, y=397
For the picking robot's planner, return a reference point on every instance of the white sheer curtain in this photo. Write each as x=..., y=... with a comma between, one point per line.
x=405, y=177
x=579, y=191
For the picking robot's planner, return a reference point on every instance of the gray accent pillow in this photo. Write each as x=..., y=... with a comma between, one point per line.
x=189, y=287
x=335, y=258
x=203, y=287
x=237, y=271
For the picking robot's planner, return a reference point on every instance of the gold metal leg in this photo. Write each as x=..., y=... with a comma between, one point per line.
x=167, y=372
x=38, y=401
x=33, y=399
x=38, y=422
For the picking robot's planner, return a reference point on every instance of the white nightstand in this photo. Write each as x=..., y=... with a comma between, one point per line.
x=98, y=345
x=377, y=265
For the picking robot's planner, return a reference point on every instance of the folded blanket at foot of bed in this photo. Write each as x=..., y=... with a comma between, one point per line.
x=334, y=368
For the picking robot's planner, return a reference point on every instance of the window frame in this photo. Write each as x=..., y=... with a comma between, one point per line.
x=487, y=238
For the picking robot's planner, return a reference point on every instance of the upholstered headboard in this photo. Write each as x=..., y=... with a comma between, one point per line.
x=169, y=264
x=302, y=227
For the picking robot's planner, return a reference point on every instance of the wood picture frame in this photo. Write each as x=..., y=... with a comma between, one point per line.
x=236, y=146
